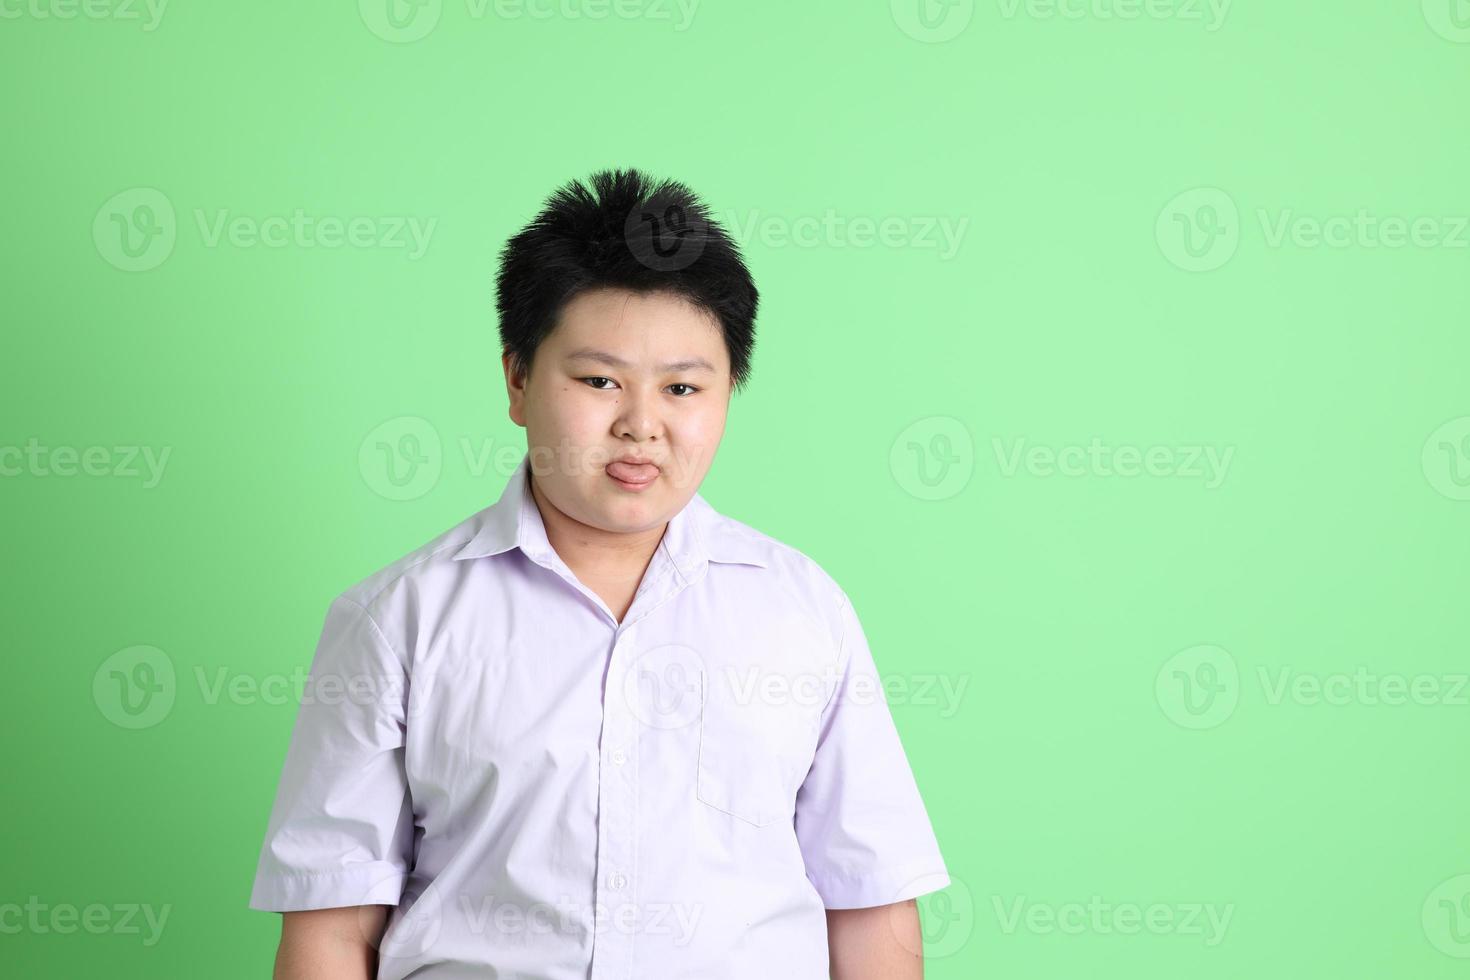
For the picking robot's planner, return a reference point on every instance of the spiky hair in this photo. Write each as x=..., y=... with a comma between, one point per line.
x=621, y=229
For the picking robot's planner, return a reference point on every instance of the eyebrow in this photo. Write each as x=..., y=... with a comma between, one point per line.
x=612, y=360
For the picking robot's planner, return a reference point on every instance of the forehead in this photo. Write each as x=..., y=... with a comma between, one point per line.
x=635, y=324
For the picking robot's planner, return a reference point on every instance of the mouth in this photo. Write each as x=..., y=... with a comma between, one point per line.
x=632, y=476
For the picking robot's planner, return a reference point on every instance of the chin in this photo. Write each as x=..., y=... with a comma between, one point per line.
x=640, y=510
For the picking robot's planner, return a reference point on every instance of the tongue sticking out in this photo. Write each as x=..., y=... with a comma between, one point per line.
x=632, y=472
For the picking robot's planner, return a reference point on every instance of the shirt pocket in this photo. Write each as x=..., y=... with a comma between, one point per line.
x=756, y=744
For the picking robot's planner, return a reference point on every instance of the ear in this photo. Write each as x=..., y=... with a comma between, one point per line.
x=515, y=390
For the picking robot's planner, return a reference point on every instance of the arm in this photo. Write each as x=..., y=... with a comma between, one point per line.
x=331, y=944
x=865, y=838
x=339, y=845
x=881, y=943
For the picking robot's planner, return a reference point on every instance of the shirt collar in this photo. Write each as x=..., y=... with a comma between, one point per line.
x=698, y=533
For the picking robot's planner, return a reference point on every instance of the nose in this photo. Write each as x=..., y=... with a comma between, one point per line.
x=637, y=417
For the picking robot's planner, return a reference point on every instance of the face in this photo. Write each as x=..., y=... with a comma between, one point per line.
x=624, y=407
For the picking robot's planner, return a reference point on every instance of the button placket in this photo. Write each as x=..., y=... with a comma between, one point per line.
x=616, y=824
x=616, y=866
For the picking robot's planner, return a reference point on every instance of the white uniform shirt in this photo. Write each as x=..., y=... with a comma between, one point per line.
x=547, y=794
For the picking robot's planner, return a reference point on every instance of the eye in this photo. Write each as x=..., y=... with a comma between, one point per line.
x=593, y=379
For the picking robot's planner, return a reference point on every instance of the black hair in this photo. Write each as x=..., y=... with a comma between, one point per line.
x=621, y=229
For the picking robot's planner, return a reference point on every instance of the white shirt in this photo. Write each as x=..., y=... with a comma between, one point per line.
x=547, y=794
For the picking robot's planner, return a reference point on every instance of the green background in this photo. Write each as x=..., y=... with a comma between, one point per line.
x=1073, y=607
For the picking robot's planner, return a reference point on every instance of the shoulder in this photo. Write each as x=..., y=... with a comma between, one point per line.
x=422, y=571
x=787, y=570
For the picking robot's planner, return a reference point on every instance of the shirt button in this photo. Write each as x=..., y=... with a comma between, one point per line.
x=619, y=757
x=617, y=881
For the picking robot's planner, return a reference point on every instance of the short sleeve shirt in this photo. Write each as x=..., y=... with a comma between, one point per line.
x=543, y=792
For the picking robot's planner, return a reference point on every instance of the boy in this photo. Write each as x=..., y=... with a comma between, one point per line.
x=599, y=730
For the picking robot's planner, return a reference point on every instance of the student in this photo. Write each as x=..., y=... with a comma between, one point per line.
x=598, y=729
